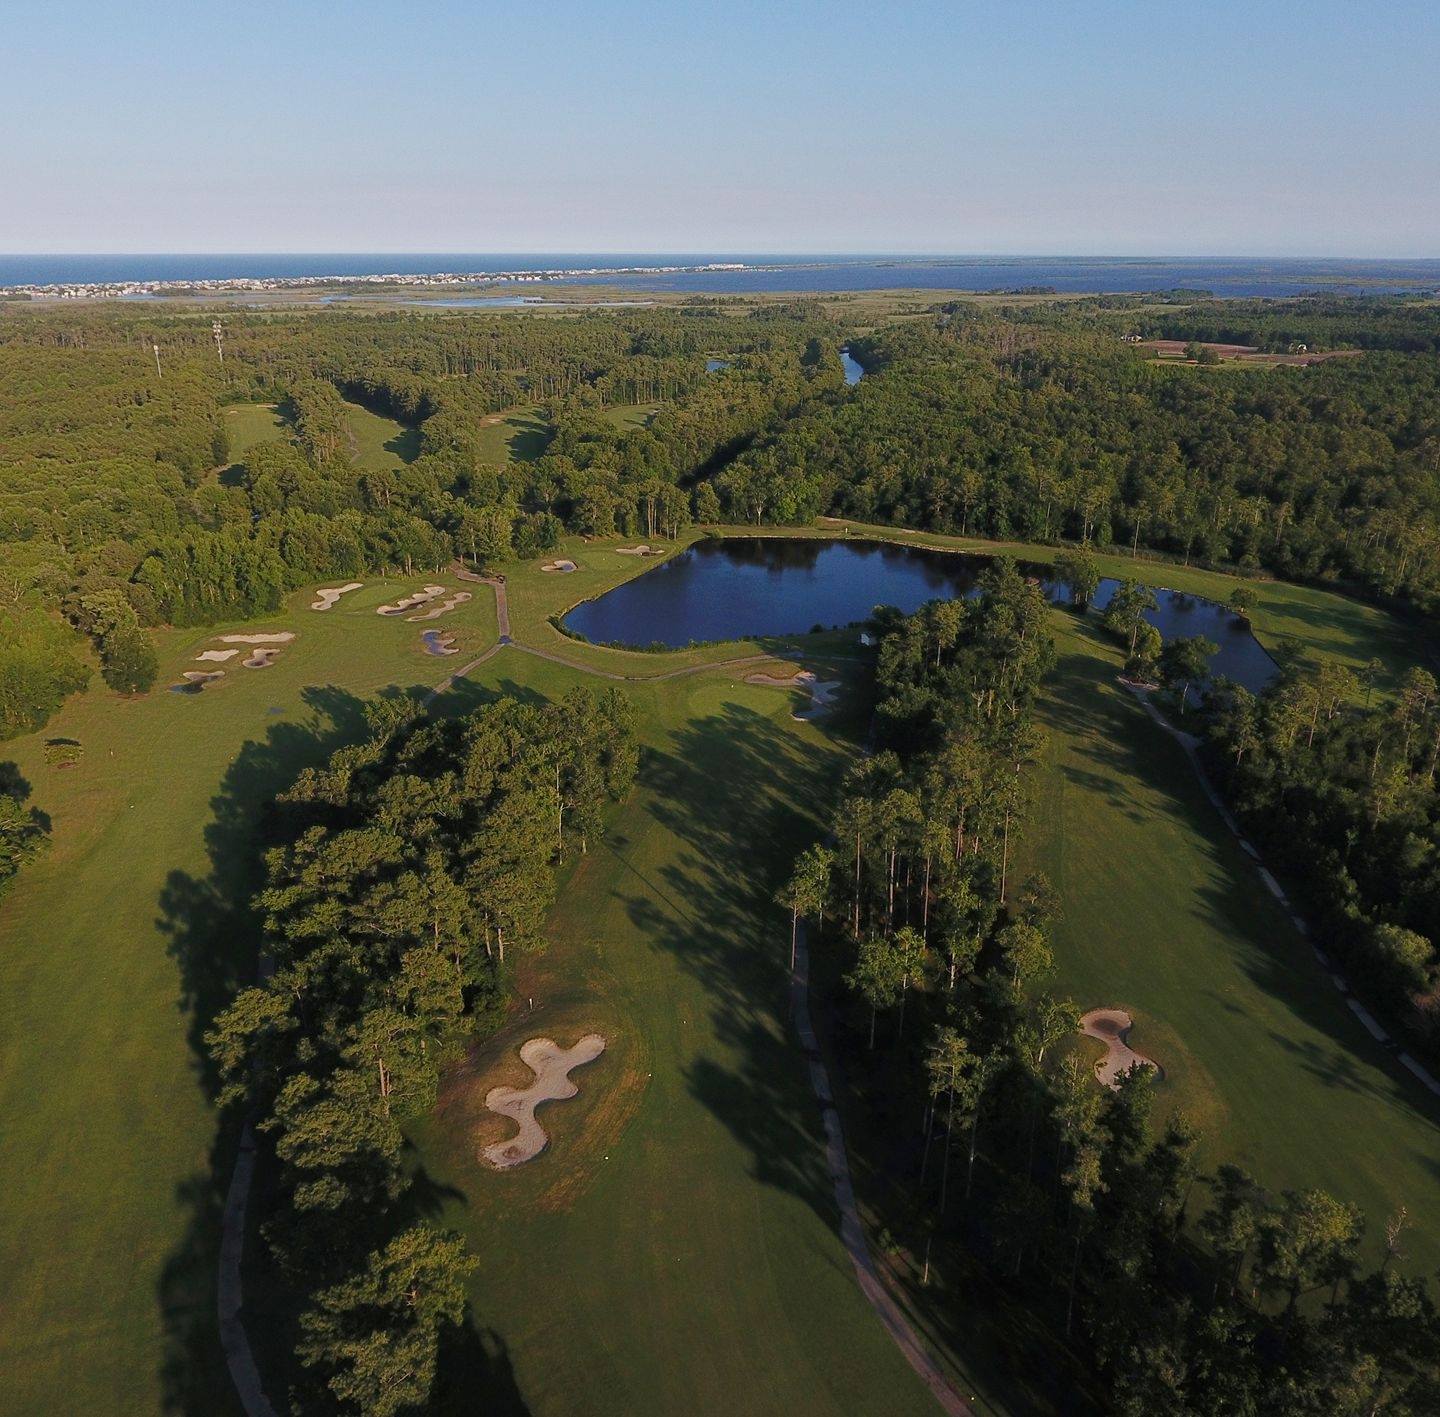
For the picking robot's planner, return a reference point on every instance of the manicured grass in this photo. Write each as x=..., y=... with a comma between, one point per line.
x=114, y=950
x=697, y=1265
x=251, y=423
x=626, y=416
x=1165, y=916
x=376, y=442
x=517, y=435
x=675, y=1249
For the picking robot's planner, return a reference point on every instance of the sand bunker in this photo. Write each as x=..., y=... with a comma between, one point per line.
x=215, y=656
x=1112, y=1028
x=822, y=692
x=261, y=658
x=444, y=608
x=641, y=550
x=563, y=567
x=196, y=680
x=551, y=1065
x=324, y=599
x=280, y=637
x=411, y=601
x=438, y=642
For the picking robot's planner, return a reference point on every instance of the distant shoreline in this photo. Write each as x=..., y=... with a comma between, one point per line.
x=157, y=276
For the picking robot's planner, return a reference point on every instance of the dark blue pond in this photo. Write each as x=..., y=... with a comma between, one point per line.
x=853, y=371
x=757, y=587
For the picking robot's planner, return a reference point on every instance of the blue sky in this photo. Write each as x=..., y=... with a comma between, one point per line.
x=1209, y=128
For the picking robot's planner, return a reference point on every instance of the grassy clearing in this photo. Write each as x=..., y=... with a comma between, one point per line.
x=377, y=443
x=252, y=423
x=111, y=949
x=1166, y=917
x=677, y=1242
x=517, y=435
x=626, y=416
x=697, y=1265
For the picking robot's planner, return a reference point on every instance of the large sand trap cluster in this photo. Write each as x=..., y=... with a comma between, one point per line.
x=215, y=656
x=324, y=599
x=444, y=608
x=562, y=567
x=438, y=642
x=280, y=637
x=411, y=601
x=551, y=1065
x=822, y=692
x=1112, y=1028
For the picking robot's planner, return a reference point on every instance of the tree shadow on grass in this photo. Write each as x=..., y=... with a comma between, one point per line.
x=743, y=795
x=214, y=934
x=1107, y=729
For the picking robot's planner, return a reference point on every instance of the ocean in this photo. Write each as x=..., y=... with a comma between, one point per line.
x=1232, y=276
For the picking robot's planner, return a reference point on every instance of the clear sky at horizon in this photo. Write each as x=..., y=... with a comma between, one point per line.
x=1271, y=127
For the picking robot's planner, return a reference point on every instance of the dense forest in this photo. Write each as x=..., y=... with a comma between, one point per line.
x=120, y=506
x=404, y=871
x=1174, y=1291
x=1048, y=427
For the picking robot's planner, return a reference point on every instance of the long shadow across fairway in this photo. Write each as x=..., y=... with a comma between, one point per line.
x=1219, y=905
x=738, y=791
x=214, y=935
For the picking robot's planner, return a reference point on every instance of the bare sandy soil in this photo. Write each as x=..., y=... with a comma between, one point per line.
x=444, y=608
x=411, y=601
x=324, y=599
x=1112, y=1028
x=822, y=692
x=551, y=1065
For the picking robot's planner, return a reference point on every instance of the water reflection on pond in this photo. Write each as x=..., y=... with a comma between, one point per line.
x=853, y=370
x=757, y=587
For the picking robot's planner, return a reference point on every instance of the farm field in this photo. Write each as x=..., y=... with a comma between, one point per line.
x=685, y=1215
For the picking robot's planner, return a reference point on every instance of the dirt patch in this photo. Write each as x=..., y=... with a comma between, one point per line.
x=444, y=608
x=562, y=568
x=1112, y=1028
x=411, y=601
x=324, y=599
x=551, y=1065
x=280, y=637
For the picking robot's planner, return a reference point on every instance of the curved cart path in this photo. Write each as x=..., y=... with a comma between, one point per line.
x=852, y=1232
x=239, y=1357
x=1191, y=744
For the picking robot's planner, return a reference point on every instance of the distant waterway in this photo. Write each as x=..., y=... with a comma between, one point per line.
x=769, y=273
x=762, y=587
